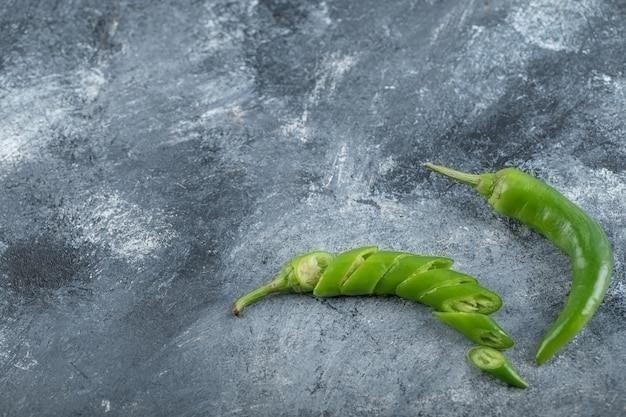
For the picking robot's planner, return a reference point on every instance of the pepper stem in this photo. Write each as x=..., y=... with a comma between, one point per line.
x=464, y=177
x=278, y=284
x=483, y=183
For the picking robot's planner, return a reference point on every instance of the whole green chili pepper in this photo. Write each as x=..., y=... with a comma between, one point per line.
x=479, y=328
x=495, y=363
x=515, y=194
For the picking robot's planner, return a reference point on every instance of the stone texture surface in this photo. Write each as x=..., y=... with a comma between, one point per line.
x=158, y=159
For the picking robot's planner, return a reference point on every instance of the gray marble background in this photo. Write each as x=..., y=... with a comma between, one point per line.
x=159, y=159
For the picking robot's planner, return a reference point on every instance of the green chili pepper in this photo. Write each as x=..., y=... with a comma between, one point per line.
x=479, y=328
x=495, y=363
x=361, y=270
x=516, y=194
x=366, y=271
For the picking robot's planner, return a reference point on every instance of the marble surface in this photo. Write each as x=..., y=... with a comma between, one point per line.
x=159, y=159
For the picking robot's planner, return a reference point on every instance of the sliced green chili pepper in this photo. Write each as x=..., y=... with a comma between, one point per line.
x=495, y=363
x=366, y=270
x=479, y=328
x=359, y=271
x=362, y=270
x=515, y=194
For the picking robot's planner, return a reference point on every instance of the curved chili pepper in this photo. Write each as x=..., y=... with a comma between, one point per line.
x=367, y=271
x=495, y=363
x=513, y=193
x=458, y=299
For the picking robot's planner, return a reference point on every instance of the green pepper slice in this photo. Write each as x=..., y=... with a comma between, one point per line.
x=407, y=266
x=479, y=328
x=364, y=279
x=495, y=363
x=420, y=283
x=469, y=297
x=340, y=269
